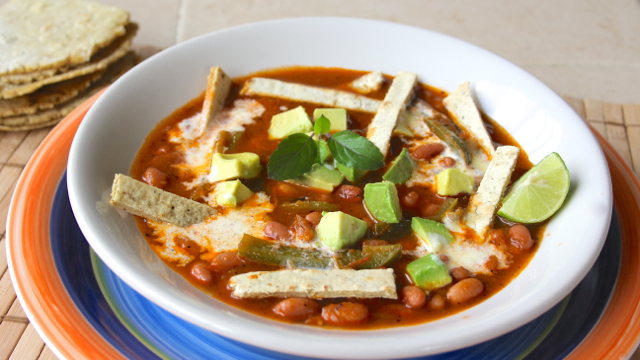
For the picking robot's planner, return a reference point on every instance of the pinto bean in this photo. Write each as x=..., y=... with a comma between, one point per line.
x=287, y=190
x=302, y=229
x=411, y=199
x=346, y=313
x=187, y=244
x=492, y=263
x=314, y=218
x=155, y=177
x=296, y=308
x=446, y=162
x=520, y=237
x=350, y=193
x=436, y=303
x=225, y=261
x=201, y=272
x=413, y=296
x=443, y=257
x=428, y=151
x=460, y=273
x=277, y=231
x=465, y=290
x=429, y=209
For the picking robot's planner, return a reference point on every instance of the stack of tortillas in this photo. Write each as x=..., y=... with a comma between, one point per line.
x=55, y=54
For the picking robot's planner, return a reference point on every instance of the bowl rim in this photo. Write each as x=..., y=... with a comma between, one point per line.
x=267, y=339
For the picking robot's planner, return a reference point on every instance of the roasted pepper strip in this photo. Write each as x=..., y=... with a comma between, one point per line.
x=391, y=232
x=302, y=205
x=273, y=253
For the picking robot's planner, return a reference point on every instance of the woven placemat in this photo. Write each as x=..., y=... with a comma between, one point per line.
x=618, y=123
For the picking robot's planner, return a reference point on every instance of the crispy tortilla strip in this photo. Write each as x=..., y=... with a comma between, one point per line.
x=218, y=85
x=484, y=203
x=394, y=102
x=36, y=35
x=309, y=94
x=8, y=91
x=368, y=83
x=461, y=105
x=55, y=114
x=150, y=202
x=316, y=284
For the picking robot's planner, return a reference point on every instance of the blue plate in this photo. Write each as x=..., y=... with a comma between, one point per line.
x=142, y=330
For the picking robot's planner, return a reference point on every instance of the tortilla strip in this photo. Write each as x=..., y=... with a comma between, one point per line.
x=150, y=202
x=484, y=203
x=13, y=90
x=309, y=94
x=368, y=83
x=50, y=34
x=461, y=105
x=316, y=284
x=55, y=114
x=395, y=101
x=218, y=85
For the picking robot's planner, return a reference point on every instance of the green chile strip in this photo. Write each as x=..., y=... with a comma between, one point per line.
x=301, y=206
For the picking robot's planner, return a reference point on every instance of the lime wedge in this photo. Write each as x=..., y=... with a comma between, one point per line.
x=539, y=193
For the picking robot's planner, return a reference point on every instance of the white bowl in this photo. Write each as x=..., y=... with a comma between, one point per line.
x=539, y=119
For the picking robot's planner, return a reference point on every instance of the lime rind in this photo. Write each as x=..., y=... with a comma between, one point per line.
x=539, y=193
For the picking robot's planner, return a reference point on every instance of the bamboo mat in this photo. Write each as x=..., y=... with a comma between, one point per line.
x=620, y=124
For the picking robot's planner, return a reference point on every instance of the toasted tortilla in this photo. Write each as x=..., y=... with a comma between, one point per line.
x=55, y=114
x=466, y=115
x=395, y=101
x=309, y=94
x=484, y=203
x=41, y=35
x=218, y=85
x=316, y=284
x=368, y=83
x=153, y=203
x=8, y=91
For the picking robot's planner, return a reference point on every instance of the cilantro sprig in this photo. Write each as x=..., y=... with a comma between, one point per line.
x=298, y=152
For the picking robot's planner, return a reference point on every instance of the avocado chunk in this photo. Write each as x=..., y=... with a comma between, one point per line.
x=402, y=128
x=232, y=193
x=324, y=153
x=401, y=168
x=234, y=166
x=453, y=182
x=382, y=202
x=290, y=122
x=353, y=175
x=429, y=272
x=320, y=177
x=433, y=233
x=337, y=117
x=337, y=230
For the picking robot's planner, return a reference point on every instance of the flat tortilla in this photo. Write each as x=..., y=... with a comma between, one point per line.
x=150, y=202
x=316, y=284
x=8, y=91
x=466, y=115
x=368, y=83
x=309, y=94
x=52, y=116
x=218, y=85
x=39, y=35
x=395, y=101
x=484, y=203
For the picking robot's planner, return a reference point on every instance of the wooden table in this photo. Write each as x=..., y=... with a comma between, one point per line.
x=618, y=123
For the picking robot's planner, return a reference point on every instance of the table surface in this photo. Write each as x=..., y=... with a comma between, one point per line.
x=588, y=49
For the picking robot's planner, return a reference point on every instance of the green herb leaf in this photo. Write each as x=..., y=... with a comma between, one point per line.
x=353, y=150
x=322, y=125
x=323, y=151
x=294, y=156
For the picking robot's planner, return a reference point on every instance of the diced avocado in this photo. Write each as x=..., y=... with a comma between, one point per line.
x=453, y=182
x=337, y=230
x=401, y=127
x=353, y=175
x=429, y=272
x=401, y=168
x=234, y=166
x=337, y=117
x=382, y=202
x=433, y=233
x=320, y=177
x=232, y=193
x=290, y=122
